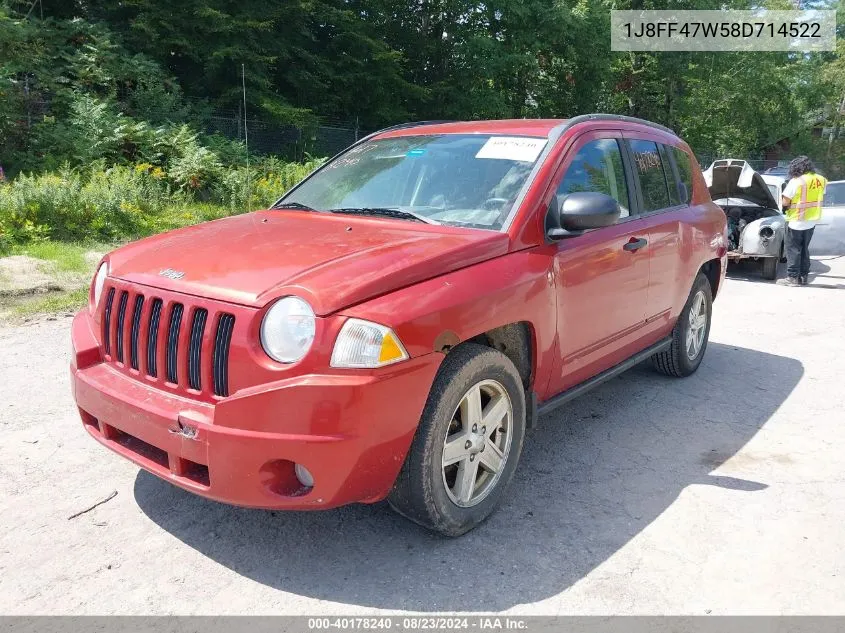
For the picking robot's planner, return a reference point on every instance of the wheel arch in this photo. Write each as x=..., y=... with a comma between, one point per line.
x=517, y=342
x=712, y=269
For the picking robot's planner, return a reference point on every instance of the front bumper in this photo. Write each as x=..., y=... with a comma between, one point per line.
x=351, y=431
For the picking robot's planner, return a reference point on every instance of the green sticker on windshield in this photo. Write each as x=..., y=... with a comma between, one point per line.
x=415, y=152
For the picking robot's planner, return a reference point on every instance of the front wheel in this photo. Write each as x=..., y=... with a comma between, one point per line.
x=467, y=445
x=690, y=335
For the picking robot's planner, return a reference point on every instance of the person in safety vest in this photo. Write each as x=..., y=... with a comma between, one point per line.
x=802, y=203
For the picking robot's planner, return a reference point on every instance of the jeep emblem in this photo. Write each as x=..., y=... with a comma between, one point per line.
x=171, y=274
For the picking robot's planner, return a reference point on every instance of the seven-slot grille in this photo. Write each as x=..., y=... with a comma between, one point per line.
x=170, y=324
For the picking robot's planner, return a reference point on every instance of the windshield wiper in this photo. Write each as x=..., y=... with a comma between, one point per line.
x=387, y=212
x=292, y=205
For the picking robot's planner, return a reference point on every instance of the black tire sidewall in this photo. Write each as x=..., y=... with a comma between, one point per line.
x=767, y=265
x=451, y=385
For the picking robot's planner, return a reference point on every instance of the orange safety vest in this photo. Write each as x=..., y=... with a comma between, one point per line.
x=806, y=204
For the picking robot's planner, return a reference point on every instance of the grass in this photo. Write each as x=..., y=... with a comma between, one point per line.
x=66, y=257
x=70, y=265
x=70, y=301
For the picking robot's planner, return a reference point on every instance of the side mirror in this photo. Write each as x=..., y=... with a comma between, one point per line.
x=580, y=211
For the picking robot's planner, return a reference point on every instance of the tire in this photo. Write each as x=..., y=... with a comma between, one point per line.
x=770, y=267
x=676, y=361
x=425, y=490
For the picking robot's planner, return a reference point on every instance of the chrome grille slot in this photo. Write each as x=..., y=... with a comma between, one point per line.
x=173, y=341
x=152, y=340
x=195, y=348
x=121, y=318
x=222, y=342
x=107, y=322
x=135, y=332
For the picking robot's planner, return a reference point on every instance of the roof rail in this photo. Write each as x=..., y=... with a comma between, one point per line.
x=616, y=117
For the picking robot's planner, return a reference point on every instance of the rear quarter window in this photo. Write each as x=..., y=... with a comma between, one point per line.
x=682, y=161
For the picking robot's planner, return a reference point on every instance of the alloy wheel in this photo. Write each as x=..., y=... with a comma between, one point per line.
x=477, y=443
x=697, y=325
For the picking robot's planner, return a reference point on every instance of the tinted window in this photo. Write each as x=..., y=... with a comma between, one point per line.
x=652, y=180
x=671, y=179
x=682, y=161
x=598, y=167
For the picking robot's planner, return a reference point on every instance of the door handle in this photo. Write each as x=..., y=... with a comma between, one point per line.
x=635, y=244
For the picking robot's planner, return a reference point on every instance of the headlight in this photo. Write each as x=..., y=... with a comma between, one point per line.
x=98, y=283
x=287, y=330
x=363, y=344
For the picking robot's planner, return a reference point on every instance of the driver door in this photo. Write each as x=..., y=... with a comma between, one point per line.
x=601, y=276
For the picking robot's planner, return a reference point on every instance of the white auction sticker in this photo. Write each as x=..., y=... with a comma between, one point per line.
x=521, y=148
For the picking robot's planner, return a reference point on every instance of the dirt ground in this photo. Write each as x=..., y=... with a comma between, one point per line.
x=720, y=493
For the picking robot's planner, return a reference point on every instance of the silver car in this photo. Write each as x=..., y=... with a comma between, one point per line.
x=829, y=236
x=756, y=225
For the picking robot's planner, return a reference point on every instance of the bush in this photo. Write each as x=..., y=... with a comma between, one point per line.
x=261, y=184
x=130, y=201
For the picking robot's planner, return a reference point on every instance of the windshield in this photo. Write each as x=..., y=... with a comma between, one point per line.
x=834, y=194
x=775, y=191
x=461, y=180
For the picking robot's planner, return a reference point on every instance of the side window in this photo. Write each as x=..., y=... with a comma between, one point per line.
x=684, y=173
x=598, y=167
x=649, y=167
x=671, y=178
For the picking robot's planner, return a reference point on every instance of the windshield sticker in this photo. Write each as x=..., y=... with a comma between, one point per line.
x=512, y=148
x=415, y=152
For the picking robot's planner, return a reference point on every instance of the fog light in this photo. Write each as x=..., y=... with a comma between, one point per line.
x=304, y=475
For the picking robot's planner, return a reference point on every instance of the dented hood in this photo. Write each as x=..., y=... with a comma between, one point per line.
x=331, y=260
x=738, y=181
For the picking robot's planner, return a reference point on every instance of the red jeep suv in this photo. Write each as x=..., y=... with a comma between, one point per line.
x=394, y=323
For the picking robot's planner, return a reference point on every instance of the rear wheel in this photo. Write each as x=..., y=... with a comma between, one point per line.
x=468, y=443
x=690, y=335
x=770, y=267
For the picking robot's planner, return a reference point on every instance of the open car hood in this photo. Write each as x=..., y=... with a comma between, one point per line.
x=736, y=181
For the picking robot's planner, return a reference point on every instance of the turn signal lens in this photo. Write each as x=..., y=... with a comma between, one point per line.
x=362, y=344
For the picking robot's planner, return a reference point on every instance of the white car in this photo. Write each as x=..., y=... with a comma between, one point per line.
x=829, y=236
x=776, y=185
x=756, y=225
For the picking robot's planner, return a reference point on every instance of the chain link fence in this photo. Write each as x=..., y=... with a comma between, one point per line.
x=286, y=141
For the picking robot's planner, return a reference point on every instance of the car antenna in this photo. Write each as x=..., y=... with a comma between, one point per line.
x=246, y=139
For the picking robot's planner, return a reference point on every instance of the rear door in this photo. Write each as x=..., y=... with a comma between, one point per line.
x=663, y=200
x=601, y=276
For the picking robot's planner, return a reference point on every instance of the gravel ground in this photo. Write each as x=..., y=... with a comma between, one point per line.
x=720, y=493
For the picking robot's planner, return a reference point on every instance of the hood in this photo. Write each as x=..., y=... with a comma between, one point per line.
x=333, y=261
x=738, y=182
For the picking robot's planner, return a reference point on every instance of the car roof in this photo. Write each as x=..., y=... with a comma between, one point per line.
x=542, y=128
x=515, y=127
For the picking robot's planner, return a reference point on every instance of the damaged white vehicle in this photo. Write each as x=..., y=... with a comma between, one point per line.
x=756, y=225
